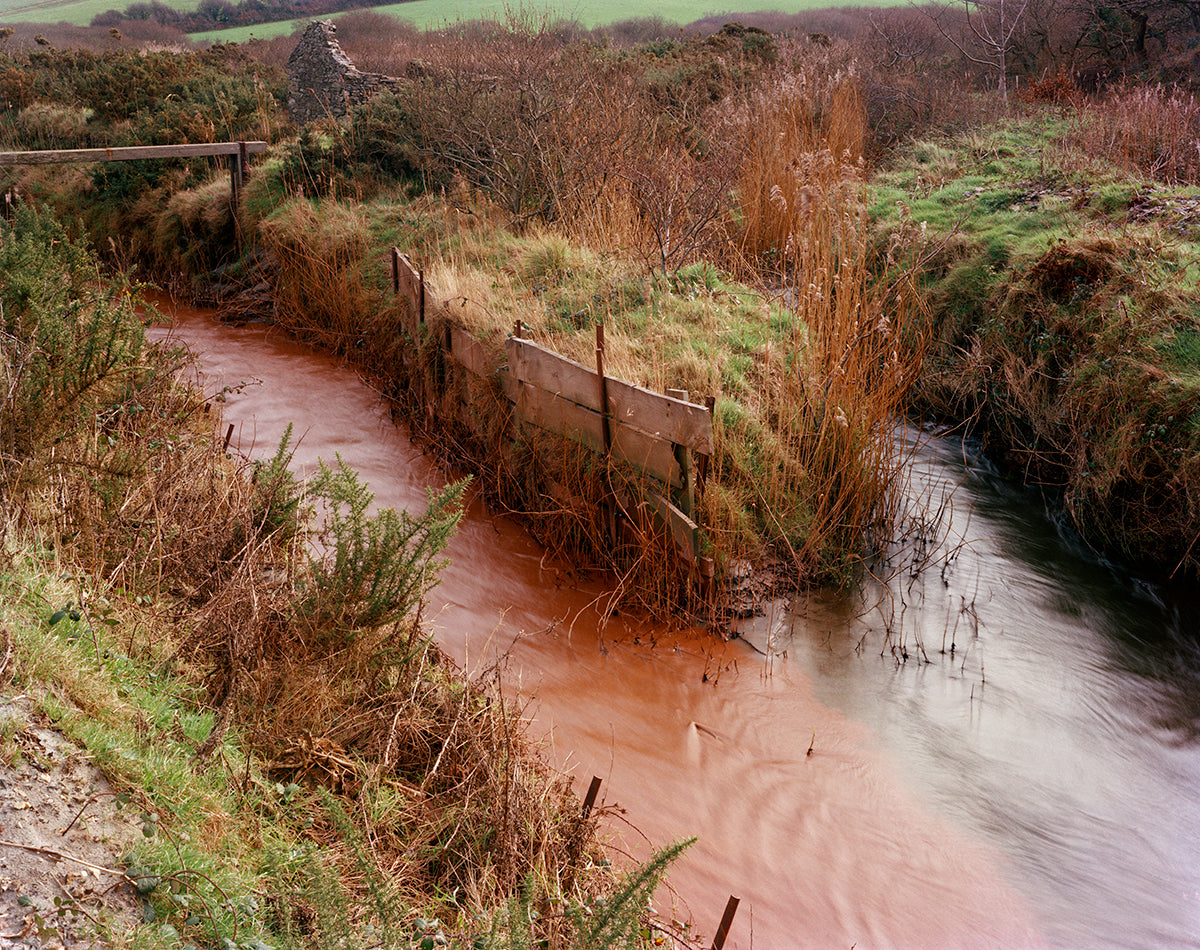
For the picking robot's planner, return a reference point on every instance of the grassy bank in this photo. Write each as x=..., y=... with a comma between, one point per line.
x=1065, y=293
x=307, y=765
x=601, y=208
x=737, y=213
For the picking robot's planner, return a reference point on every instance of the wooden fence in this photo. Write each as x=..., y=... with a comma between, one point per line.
x=663, y=435
x=237, y=153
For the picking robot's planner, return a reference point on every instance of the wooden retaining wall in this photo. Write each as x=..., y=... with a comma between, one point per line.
x=664, y=436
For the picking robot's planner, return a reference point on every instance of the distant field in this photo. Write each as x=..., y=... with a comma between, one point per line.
x=423, y=13
x=434, y=13
x=78, y=12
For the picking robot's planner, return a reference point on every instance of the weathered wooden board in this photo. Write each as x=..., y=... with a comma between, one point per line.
x=553, y=413
x=682, y=529
x=129, y=153
x=409, y=286
x=547, y=370
x=662, y=416
x=469, y=352
x=651, y=455
x=672, y=419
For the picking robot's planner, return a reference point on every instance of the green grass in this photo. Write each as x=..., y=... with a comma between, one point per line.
x=430, y=14
x=426, y=14
x=77, y=12
x=207, y=843
x=1063, y=292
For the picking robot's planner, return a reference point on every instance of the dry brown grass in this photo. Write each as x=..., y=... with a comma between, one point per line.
x=831, y=394
x=321, y=288
x=1148, y=130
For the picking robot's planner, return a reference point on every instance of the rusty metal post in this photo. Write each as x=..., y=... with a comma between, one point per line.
x=421, y=295
x=395, y=270
x=592, y=792
x=726, y=922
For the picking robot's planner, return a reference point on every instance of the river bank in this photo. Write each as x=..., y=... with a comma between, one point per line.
x=690, y=734
x=267, y=706
x=1063, y=304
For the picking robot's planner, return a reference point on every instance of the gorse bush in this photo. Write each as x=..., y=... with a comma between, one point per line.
x=68, y=347
x=319, y=655
x=376, y=567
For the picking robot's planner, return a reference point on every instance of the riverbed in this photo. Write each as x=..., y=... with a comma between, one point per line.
x=1003, y=743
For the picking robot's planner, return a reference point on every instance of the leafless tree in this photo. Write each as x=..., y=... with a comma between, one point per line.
x=989, y=33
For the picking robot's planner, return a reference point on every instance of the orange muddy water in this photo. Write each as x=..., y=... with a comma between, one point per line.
x=929, y=814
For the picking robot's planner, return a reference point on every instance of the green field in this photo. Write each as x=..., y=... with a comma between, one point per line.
x=77, y=12
x=423, y=13
x=435, y=13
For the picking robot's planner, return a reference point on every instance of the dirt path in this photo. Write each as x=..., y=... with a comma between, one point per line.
x=55, y=806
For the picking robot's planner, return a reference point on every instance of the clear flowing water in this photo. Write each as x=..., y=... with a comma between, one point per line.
x=1064, y=729
x=1035, y=786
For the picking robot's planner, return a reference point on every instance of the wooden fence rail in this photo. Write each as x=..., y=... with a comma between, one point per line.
x=130, y=153
x=237, y=153
x=661, y=435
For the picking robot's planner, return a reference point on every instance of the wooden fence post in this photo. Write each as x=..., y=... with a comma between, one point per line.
x=610, y=520
x=236, y=179
x=592, y=792
x=603, y=384
x=687, y=467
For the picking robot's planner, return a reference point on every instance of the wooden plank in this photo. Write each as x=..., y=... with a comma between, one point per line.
x=653, y=456
x=408, y=279
x=674, y=420
x=469, y=353
x=682, y=529
x=129, y=153
x=553, y=413
x=670, y=419
x=556, y=374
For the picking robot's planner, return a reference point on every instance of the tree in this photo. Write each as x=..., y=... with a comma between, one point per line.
x=1115, y=32
x=988, y=35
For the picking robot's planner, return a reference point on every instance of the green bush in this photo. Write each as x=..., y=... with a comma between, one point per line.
x=65, y=344
x=375, y=567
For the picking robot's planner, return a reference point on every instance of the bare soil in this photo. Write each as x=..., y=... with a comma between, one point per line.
x=62, y=834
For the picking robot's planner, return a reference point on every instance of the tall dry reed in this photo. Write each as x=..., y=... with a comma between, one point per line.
x=834, y=388
x=1151, y=130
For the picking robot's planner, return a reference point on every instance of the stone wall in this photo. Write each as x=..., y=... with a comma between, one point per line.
x=322, y=82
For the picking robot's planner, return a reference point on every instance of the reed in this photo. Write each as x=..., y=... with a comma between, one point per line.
x=832, y=391
x=1148, y=130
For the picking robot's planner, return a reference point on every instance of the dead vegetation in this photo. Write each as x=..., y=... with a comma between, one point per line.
x=321, y=657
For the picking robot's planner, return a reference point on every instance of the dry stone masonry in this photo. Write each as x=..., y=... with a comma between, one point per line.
x=322, y=82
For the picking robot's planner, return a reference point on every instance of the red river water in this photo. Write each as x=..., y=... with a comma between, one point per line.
x=873, y=841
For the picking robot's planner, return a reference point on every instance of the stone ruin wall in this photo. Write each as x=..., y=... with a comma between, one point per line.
x=322, y=82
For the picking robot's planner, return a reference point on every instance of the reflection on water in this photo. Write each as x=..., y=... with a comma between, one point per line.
x=1046, y=749
x=1063, y=727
